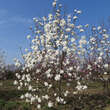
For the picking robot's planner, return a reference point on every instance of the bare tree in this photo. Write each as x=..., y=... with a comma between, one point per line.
x=2, y=64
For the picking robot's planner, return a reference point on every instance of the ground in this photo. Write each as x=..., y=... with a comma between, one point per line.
x=95, y=98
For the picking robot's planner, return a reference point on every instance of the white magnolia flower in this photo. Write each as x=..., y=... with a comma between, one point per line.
x=49, y=75
x=81, y=30
x=71, y=68
x=22, y=97
x=39, y=100
x=44, y=18
x=35, y=19
x=62, y=23
x=104, y=30
x=68, y=29
x=84, y=87
x=28, y=36
x=75, y=17
x=89, y=67
x=32, y=99
x=105, y=73
x=50, y=16
x=54, y=3
x=27, y=95
x=57, y=77
x=19, y=87
x=71, y=25
x=15, y=82
x=46, y=97
x=45, y=83
x=99, y=58
x=58, y=99
x=50, y=104
x=106, y=36
x=94, y=28
x=99, y=27
x=101, y=53
x=106, y=65
x=75, y=10
x=30, y=88
x=38, y=106
x=61, y=71
x=75, y=92
x=66, y=93
x=72, y=39
x=79, y=12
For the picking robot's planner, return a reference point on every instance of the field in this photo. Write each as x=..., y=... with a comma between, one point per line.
x=94, y=98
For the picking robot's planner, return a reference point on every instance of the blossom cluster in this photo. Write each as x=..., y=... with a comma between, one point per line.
x=61, y=53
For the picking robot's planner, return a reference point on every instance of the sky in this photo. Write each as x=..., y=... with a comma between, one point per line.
x=16, y=18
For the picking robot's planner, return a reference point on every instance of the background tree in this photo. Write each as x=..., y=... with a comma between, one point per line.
x=2, y=64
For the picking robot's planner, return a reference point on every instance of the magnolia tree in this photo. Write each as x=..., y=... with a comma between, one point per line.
x=97, y=57
x=99, y=54
x=60, y=58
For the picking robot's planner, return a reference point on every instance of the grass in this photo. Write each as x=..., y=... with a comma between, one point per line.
x=93, y=98
x=107, y=107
